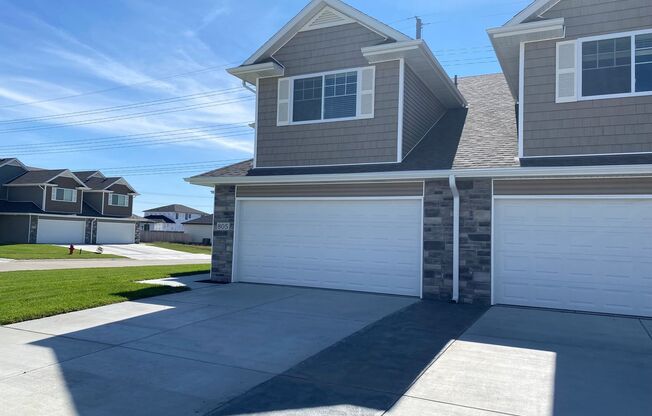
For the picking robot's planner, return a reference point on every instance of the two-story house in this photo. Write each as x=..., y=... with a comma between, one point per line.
x=58, y=206
x=373, y=170
x=171, y=217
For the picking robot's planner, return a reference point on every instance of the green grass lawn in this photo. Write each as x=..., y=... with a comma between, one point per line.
x=188, y=248
x=34, y=294
x=46, y=251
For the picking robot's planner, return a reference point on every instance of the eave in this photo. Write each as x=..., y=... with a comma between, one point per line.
x=250, y=73
x=515, y=172
x=423, y=62
x=507, y=41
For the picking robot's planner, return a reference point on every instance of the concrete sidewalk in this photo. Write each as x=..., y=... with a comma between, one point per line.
x=18, y=265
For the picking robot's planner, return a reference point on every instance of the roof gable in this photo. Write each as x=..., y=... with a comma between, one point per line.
x=322, y=13
x=534, y=10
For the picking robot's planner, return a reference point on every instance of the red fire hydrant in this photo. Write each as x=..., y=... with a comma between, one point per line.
x=71, y=249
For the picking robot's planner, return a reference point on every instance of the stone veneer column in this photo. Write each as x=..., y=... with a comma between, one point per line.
x=137, y=233
x=88, y=231
x=475, y=241
x=33, y=229
x=224, y=213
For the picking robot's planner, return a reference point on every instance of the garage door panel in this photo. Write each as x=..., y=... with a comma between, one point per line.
x=115, y=233
x=369, y=245
x=52, y=231
x=585, y=254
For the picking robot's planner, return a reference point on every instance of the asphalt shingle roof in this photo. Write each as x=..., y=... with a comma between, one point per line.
x=159, y=218
x=99, y=184
x=176, y=208
x=84, y=174
x=203, y=220
x=36, y=176
x=484, y=135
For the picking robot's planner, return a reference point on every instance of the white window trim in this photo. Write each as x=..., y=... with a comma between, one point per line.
x=358, y=116
x=53, y=195
x=118, y=205
x=578, y=63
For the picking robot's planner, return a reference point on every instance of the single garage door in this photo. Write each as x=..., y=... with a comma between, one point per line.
x=115, y=232
x=60, y=232
x=586, y=254
x=364, y=245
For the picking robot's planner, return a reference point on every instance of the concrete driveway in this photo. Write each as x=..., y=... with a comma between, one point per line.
x=180, y=354
x=271, y=350
x=145, y=252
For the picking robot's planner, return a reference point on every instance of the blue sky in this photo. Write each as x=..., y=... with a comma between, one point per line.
x=161, y=63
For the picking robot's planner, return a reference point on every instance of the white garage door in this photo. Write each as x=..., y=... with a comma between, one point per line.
x=115, y=232
x=583, y=254
x=365, y=245
x=60, y=232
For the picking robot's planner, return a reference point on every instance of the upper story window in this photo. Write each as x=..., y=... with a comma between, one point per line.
x=119, y=200
x=329, y=96
x=64, y=195
x=187, y=216
x=616, y=65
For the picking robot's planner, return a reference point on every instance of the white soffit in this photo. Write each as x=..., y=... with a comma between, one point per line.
x=327, y=17
x=250, y=73
x=537, y=8
x=506, y=41
x=424, y=64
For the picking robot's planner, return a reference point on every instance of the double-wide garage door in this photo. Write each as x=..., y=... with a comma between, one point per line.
x=587, y=254
x=365, y=245
x=60, y=231
x=115, y=232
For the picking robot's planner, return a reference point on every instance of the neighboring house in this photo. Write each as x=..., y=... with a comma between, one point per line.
x=62, y=207
x=374, y=171
x=170, y=217
x=200, y=229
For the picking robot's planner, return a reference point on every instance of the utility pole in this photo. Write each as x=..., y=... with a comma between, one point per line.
x=419, y=26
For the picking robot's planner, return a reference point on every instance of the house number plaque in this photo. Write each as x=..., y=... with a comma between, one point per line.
x=222, y=226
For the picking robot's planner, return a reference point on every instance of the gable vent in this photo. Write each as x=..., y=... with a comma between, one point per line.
x=327, y=17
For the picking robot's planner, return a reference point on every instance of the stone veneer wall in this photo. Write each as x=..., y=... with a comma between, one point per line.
x=224, y=212
x=137, y=232
x=475, y=241
x=33, y=229
x=88, y=231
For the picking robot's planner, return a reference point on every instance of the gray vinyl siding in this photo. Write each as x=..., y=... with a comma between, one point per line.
x=421, y=110
x=26, y=194
x=619, y=125
x=63, y=206
x=8, y=173
x=14, y=229
x=333, y=190
x=119, y=211
x=601, y=186
x=332, y=143
x=94, y=200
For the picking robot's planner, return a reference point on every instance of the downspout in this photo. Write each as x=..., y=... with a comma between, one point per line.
x=456, y=238
x=244, y=84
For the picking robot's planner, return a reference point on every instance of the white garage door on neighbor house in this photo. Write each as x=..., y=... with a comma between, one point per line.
x=60, y=231
x=115, y=232
x=371, y=245
x=583, y=253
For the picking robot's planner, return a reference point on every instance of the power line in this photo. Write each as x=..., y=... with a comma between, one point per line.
x=92, y=148
x=129, y=116
x=217, y=126
x=183, y=74
x=124, y=107
x=165, y=164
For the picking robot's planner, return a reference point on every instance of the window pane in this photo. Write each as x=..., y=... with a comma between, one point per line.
x=606, y=67
x=307, y=99
x=643, y=63
x=340, y=100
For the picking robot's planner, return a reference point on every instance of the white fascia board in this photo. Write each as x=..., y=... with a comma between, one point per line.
x=411, y=50
x=250, y=73
x=538, y=7
x=527, y=28
x=308, y=12
x=12, y=161
x=515, y=172
x=68, y=174
x=72, y=216
x=121, y=181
